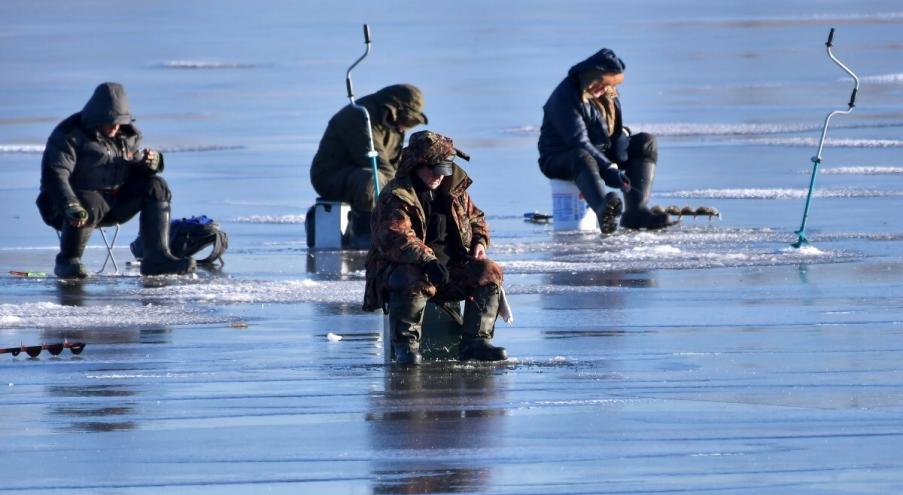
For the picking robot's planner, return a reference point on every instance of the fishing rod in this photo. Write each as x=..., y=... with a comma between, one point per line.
x=371, y=154
x=816, y=160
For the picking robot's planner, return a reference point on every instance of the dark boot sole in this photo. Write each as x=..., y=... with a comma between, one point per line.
x=613, y=209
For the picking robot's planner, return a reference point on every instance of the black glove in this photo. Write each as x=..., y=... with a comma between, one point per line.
x=616, y=178
x=76, y=215
x=436, y=273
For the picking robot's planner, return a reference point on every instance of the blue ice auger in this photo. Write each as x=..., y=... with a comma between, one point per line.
x=816, y=160
x=372, y=154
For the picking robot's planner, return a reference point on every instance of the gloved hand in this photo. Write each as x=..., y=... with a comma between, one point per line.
x=616, y=178
x=76, y=215
x=436, y=273
x=151, y=160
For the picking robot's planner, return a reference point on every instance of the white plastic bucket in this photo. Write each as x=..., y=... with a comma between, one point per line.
x=569, y=210
x=331, y=220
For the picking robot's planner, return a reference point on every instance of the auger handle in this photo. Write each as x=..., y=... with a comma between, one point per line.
x=830, y=38
x=367, y=33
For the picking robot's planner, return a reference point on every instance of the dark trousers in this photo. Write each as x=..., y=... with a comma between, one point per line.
x=409, y=292
x=111, y=206
x=579, y=166
x=352, y=185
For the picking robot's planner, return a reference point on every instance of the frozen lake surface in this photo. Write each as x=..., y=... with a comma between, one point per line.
x=712, y=357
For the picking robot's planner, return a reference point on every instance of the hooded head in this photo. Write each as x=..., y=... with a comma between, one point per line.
x=597, y=65
x=430, y=149
x=403, y=102
x=108, y=105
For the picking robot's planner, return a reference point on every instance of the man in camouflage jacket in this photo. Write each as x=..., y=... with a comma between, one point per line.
x=341, y=170
x=429, y=242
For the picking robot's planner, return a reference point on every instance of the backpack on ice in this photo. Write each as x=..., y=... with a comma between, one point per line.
x=188, y=236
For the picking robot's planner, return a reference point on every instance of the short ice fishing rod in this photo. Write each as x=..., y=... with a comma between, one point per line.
x=816, y=160
x=372, y=154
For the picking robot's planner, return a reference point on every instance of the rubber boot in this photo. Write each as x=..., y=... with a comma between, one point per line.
x=480, y=313
x=609, y=213
x=72, y=245
x=158, y=260
x=359, y=230
x=405, y=319
x=636, y=212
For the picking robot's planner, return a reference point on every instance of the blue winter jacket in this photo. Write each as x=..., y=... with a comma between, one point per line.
x=569, y=123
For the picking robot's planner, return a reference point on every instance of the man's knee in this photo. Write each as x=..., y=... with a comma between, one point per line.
x=359, y=190
x=409, y=279
x=643, y=145
x=95, y=204
x=477, y=273
x=158, y=190
x=583, y=163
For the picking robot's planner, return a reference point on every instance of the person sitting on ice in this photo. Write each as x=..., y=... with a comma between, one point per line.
x=429, y=242
x=93, y=173
x=341, y=170
x=583, y=140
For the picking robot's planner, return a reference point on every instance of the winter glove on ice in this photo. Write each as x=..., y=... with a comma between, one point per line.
x=76, y=215
x=436, y=273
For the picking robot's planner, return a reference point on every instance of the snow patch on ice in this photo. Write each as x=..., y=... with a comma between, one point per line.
x=277, y=219
x=21, y=148
x=837, y=143
x=807, y=250
x=206, y=64
x=260, y=291
x=51, y=315
x=333, y=337
x=39, y=148
x=778, y=193
x=863, y=170
x=883, y=79
x=656, y=250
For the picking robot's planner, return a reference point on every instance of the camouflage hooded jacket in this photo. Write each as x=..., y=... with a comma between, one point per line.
x=399, y=223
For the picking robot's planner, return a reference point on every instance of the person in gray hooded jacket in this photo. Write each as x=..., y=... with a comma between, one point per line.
x=93, y=172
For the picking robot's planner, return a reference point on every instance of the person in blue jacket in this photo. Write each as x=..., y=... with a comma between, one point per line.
x=583, y=140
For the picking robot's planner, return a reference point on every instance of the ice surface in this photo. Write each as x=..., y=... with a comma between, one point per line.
x=708, y=358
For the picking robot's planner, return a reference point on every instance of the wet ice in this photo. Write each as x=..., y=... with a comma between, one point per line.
x=709, y=357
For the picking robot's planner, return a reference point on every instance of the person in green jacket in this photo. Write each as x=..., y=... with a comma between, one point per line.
x=341, y=169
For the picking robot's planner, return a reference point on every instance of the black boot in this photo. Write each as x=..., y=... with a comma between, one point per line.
x=359, y=229
x=608, y=215
x=637, y=214
x=72, y=245
x=480, y=313
x=407, y=353
x=158, y=260
x=405, y=319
